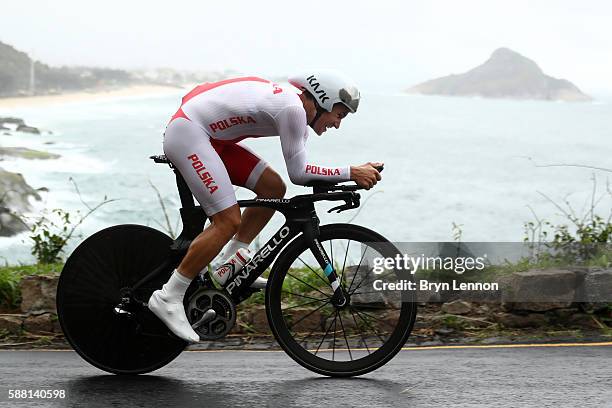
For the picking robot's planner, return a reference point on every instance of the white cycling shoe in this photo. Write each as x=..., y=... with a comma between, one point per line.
x=172, y=313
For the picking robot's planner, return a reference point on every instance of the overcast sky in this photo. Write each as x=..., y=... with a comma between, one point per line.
x=386, y=44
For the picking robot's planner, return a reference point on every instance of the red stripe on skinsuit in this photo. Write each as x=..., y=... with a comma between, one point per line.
x=179, y=114
x=208, y=86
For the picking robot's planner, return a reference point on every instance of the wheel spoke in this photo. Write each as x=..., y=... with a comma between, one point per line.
x=324, y=336
x=365, y=279
x=360, y=332
x=303, y=304
x=370, y=326
x=365, y=293
x=313, y=271
x=308, y=284
x=312, y=331
x=357, y=270
x=344, y=263
x=371, y=316
x=334, y=343
x=304, y=317
x=304, y=296
x=345, y=339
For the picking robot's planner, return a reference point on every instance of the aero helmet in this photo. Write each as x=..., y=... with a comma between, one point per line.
x=328, y=88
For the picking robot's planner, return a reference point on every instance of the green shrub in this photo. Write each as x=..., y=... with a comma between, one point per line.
x=50, y=237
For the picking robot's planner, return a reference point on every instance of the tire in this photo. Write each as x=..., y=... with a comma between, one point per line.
x=90, y=287
x=386, y=318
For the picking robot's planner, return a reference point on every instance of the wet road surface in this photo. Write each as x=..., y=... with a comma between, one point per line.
x=465, y=377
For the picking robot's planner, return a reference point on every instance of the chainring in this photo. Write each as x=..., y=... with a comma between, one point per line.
x=211, y=313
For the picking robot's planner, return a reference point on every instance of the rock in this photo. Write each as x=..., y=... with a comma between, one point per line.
x=539, y=290
x=494, y=340
x=38, y=293
x=506, y=74
x=10, y=223
x=428, y=296
x=488, y=309
x=388, y=320
x=305, y=319
x=11, y=323
x=57, y=327
x=563, y=314
x=14, y=121
x=15, y=196
x=458, y=307
x=15, y=192
x=243, y=323
x=539, y=306
x=519, y=321
x=597, y=287
x=444, y=331
x=41, y=323
x=583, y=321
x=259, y=320
x=25, y=153
x=28, y=129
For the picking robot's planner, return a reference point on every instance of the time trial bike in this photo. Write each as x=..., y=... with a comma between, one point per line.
x=319, y=300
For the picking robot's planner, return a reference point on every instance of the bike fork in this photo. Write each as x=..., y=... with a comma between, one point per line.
x=339, y=298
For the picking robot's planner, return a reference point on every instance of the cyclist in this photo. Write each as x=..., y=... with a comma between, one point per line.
x=201, y=141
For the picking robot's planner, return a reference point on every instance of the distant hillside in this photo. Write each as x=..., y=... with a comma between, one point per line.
x=15, y=75
x=506, y=74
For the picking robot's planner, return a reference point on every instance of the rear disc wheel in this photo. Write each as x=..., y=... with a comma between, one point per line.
x=93, y=281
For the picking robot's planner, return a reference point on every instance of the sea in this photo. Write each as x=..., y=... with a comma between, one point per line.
x=466, y=169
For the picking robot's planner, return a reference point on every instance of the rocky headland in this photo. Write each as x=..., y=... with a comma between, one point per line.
x=15, y=196
x=15, y=192
x=506, y=74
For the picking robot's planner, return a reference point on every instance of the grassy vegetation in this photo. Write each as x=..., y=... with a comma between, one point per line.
x=601, y=259
x=302, y=281
x=10, y=277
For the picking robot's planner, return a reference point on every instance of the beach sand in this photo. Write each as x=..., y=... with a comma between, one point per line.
x=136, y=91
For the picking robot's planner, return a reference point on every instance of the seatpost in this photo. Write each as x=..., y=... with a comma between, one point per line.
x=184, y=192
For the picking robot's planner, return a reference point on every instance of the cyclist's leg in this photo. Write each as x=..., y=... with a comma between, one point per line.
x=269, y=185
x=188, y=148
x=248, y=170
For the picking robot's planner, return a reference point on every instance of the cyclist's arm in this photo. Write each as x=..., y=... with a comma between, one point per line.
x=293, y=133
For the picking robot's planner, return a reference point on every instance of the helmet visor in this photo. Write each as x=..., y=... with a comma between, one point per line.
x=350, y=97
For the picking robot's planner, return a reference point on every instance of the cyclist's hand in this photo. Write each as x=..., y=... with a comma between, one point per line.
x=366, y=176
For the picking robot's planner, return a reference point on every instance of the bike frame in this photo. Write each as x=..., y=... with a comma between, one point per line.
x=300, y=218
